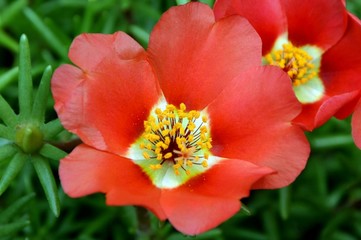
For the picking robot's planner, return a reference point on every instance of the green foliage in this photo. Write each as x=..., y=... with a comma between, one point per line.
x=323, y=203
x=25, y=134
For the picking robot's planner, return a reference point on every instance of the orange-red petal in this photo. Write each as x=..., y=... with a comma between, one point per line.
x=316, y=114
x=321, y=23
x=106, y=104
x=195, y=57
x=251, y=120
x=356, y=125
x=212, y=197
x=87, y=170
x=341, y=65
x=266, y=16
x=87, y=51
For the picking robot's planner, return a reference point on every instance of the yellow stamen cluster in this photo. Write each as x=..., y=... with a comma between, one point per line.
x=177, y=136
x=295, y=61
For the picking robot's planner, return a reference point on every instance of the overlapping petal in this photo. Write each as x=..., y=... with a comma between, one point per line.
x=315, y=115
x=251, y=119
x=87, y=170
x=356, y=125
x=195, y=57
x=321, y=23
x=343, y=75
x=267, y=17
x=197, y=206
x=88, y=50
x=106, y=103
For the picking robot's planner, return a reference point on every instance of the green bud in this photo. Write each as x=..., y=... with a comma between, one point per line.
x=29, y=138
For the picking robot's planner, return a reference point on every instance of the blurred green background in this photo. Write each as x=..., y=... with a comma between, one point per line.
x=323, y=203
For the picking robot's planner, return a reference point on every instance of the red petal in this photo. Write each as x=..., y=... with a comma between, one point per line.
x=88, y=50
x=267, y=17
x=315, y=115
x=321, y=23
x=250, y=120
x=212, y=197
x=356, y=125
x=195, y=57
x=341, y=65
x=106, y=107
x=348, y=108
x=87, y=170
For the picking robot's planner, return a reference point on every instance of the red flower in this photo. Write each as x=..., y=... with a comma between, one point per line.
x=185, y=128
x=316, y=43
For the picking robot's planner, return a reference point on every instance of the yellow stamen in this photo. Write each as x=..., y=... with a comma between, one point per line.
x=170, y=137
x=204, y=119
x=205, y=163
x=296, y=62
x=146, y=155
x=182, y=106
x=155, y=166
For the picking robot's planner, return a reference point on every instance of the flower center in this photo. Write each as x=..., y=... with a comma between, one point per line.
x=176, y=137
x=296, y=62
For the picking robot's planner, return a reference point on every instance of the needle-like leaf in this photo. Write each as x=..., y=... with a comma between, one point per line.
x=47, y=180
x=51, y=152
x=42, y=95
x=14, y=167
x=25, y=81
x=6, y=113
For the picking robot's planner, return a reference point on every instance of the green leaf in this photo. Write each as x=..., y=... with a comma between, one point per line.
x=46, y=33
x=209, y=2
x=88, y=17
x=128, y=216
x=6, y=113
x=245, y=210
x=9, y=76
x=140, y=34
x=54, y=153
x=52, y=128
x=7, y=14
x=10, y=228
x=181, y=2
x=331, y=141
x=47, y=180
x=15, y=207
x=335, y=223
x=14, y=167
x=8, y=42
x=42, y=95
x=284, y=201
x=6, y=132
x=270, y=225
x=7, y=151
x=111, y=21
x=213, y=234
x=145, y=10
x=25, y=81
